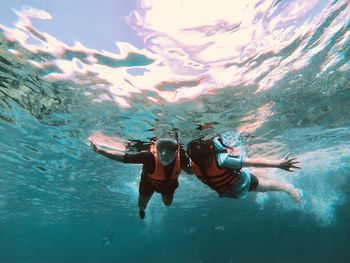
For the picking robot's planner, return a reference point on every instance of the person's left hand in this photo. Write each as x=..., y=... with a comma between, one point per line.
x=288, y=163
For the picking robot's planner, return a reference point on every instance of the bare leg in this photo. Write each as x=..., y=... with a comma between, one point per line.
x=260, y=173
x=142, y=203
x=266, y=185
x=167, y=199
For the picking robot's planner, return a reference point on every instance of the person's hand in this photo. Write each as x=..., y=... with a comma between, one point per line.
x=94, y=147
x=288, y=163
x=100, y=142
x=93, y=139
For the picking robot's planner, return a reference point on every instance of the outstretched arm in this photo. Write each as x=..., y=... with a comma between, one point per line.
x=287, y=163
x=107, y=146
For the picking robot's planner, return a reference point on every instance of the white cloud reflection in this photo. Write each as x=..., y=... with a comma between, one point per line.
x=193, y=47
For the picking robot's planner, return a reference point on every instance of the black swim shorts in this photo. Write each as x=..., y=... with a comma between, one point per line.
x=147, y=189
x=254, y=182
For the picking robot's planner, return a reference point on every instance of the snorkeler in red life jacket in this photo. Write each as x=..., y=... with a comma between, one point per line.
x=207, y=170
x=218, y=164
x=162, y=164
x=159, y=177
x=204, y=164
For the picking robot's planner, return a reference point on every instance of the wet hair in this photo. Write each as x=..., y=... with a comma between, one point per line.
x=200, y=151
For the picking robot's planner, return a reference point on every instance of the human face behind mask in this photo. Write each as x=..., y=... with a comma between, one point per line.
x=166, y=149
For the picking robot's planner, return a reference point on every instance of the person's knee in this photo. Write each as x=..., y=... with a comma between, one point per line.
x=167, y=200
x=260, y=189
x=262, y=186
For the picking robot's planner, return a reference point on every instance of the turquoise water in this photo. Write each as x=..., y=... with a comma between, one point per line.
x=283, y=80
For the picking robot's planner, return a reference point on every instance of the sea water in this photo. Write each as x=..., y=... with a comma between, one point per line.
x=277, y=72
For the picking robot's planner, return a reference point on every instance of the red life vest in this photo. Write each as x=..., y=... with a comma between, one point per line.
x=158, y=176
x=218, y=179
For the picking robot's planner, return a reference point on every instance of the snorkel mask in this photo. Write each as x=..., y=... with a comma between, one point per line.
x=229, y=138
x=166, y=150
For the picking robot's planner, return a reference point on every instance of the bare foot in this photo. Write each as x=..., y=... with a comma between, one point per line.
x=296, y=195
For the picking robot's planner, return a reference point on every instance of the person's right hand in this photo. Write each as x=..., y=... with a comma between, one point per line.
x=288, y=163
x=93, y=139
x=98, y=141
x=94, y=147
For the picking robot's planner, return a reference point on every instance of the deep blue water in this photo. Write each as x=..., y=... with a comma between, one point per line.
x=288, y=91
